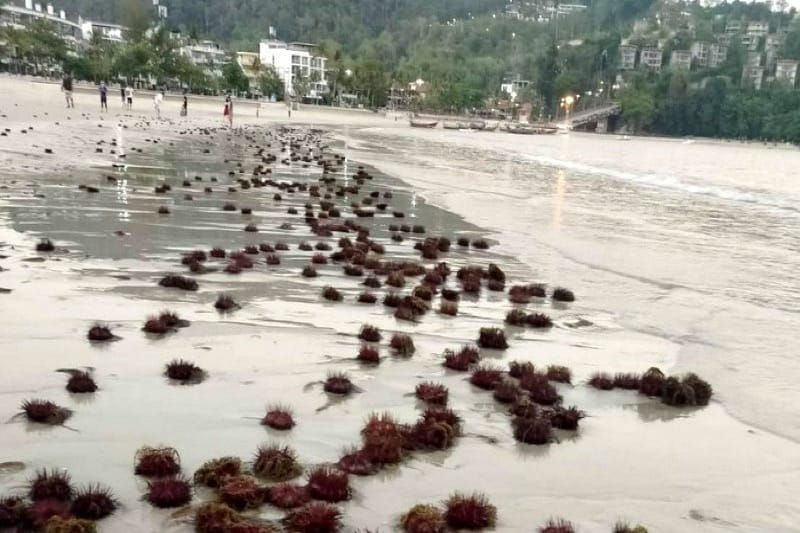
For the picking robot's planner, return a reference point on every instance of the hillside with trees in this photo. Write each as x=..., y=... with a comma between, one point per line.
x=464, y=50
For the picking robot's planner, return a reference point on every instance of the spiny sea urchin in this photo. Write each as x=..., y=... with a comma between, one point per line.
x=278, y=417
x=157, y=462
x=184, y=372
x=471, y=511
x=276, y=463
x=93, y=503
x=314, y=517
x=329, y=484
x=50, y=485
x=432, y=393
x=211, y=473
x=45, y=412
x=169, y=492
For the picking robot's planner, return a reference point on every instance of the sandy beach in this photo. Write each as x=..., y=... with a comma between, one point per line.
x=681, y=255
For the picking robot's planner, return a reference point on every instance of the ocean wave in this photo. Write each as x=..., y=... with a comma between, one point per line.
x=732, y=194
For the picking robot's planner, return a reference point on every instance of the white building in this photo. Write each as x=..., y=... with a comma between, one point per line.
x=514, y=87
x=17, y=16
x=108, y=32
x=717, y=55
x=651, y=58
x=293, y=61
x=700, y=53
x=786, y=70
x=627, y=57
x=681, y=59
x=753, y=72
x=207, y=55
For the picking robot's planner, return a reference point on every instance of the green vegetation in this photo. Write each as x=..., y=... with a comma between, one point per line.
x=463, y=50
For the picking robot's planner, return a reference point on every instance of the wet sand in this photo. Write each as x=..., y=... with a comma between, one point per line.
x=633, y=458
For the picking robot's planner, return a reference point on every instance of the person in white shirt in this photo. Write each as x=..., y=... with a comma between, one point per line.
x=157, y=101
x=129, y=97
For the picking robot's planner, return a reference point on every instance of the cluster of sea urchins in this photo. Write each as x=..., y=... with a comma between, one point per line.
x=680, y=391
x=164, y=323
x=53, y=504
x=532, y=398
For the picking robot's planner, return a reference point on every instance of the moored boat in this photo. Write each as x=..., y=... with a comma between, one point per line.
x=423, y=123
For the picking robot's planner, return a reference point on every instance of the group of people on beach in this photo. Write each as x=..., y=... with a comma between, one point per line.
x=126, y=94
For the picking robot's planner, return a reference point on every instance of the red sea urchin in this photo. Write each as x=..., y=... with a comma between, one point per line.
x=94, y=503
x=215, y=517
x=402, y=345
x=169, y=492
x=226, y=303
x=242, y=492
x=539, y=388
x=358, y=463
x=601, y=380
x=369, y=355
x=338, y=383
x=565, y=418
x=81, y=383
x=331, y=294
x=278, y=417
x=184, y=372
x=494, y=338
x=369, y=333
x=178, y=282
x=276, y=463
x=211, y=473
x=50, y=485
x=157, y=462
x=329, y=484
x=627, y=381
x=517, y=368
x=532, y=430
x=507, y=391
x=314, y=517
x=383, y=441
x=423, y=519
x=367, y=297
x=539, y=321
x=45, y=245
x=486, y=377
x=516, y=317
x=100, y=333
x=155, y=326
x=45, y=412
x=432, y=393
x=560, y=294
x=288, y=495
x=12, y=512
x=652, y=382
x=469, y=511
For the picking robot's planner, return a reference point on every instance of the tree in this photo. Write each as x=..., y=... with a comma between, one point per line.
x=136, y=18
x=233, y=77
x=638, y=106
x=270, y=83
x=547, y=72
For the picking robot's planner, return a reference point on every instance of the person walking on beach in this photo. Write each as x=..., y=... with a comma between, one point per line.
x=129, y=98
x=185, y=106
x=157, y=101
x=66, y=88
x=103, y=96
x=228, y=111
x=122, y=92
